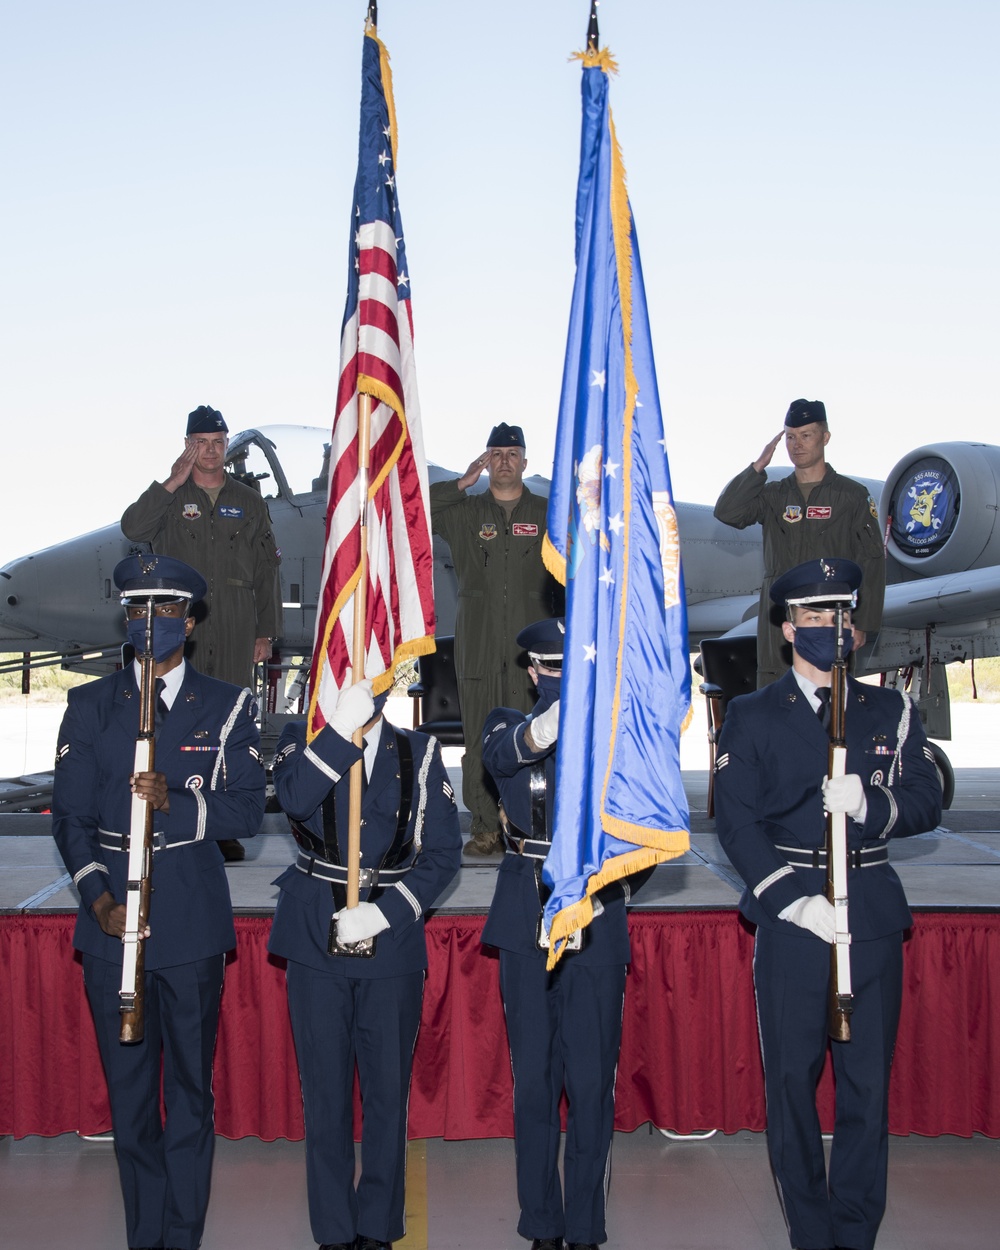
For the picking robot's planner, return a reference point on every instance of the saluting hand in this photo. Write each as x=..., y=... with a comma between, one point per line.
x=471, y=475
x=180, y=470
x=764, y=459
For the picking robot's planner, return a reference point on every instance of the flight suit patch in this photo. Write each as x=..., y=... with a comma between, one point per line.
x=231, y=514
x=190, y=512
x=488, y=530
x=792, y=513
x=817, y=513
x=523, y=529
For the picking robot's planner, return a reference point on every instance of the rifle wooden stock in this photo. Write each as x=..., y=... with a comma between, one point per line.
x=841, y=998
x=140, y=859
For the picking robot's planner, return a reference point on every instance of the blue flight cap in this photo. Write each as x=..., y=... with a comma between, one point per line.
x=544, y=641
x=504, y=435
x=205, y=420
x=158, y=577
x=819, y=583
x=804, y=412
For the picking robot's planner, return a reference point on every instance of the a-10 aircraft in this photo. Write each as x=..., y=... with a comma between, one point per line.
x=942, y=602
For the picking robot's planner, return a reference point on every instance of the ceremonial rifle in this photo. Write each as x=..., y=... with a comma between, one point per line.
x=841, y=998
x=139, y=848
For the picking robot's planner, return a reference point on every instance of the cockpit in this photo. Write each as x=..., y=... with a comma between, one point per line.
x=281, y=460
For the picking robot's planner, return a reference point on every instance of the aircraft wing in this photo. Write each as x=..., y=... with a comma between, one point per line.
x=965, y=600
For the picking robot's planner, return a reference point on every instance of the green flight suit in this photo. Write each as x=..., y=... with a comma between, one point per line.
x=838, y=519
x=502, y=586
x=232, y=547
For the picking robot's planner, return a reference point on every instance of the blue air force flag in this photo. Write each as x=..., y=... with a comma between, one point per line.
x=612, y=540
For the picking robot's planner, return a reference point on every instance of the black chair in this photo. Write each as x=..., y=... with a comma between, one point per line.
x=435, y=695
x=729, y=667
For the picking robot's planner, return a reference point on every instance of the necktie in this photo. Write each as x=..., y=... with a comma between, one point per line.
x=823, y=711
x=161, y=706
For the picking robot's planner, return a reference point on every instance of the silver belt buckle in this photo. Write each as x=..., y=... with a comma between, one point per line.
x=574, y=942
x=365, y=878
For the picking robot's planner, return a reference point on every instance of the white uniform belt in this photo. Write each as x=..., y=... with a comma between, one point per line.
x=530, y=848
x=111, y=841
x=326, y=871
x=815, y=857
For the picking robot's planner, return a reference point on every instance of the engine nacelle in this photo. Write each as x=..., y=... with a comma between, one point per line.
x=943, y=501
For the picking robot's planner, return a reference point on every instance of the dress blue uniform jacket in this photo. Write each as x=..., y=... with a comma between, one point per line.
x=513, y=919
x=208, y=749
x=771, y=762
x=303, y=776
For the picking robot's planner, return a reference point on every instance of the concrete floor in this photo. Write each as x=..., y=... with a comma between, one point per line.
x=715, y=1194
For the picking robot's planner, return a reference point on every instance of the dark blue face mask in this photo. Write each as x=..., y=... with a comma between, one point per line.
x=169, y=633
x=817, y=645
x=548, y=690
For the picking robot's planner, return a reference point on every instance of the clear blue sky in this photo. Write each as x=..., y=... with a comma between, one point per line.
x=814, y=182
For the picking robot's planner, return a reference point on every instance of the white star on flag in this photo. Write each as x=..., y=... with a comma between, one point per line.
x=590, y=652
x=598, y=379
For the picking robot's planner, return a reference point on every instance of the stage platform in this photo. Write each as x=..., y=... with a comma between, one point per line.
x=954, y=868
x=690, y=1059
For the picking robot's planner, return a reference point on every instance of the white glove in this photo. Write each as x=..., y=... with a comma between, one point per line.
x=813, y=912
x=354, y=924
x=355, y=708
x=845, y=794
x=544, y=728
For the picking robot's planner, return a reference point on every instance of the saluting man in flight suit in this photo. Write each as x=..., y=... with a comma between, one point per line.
x=496, y=545
x=208, y=786
x=771, y=791
x=346, y=1009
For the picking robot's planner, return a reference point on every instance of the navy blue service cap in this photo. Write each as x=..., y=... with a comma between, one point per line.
x=544, y=641
x=158, y=577
x=819, y=583
x=804, y=412
x=205, y=420
x=504, y=435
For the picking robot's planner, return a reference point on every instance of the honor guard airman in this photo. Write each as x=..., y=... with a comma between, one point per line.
x=207, y=784
x=359, y=1007
x=772, y=796
x=563, y=1027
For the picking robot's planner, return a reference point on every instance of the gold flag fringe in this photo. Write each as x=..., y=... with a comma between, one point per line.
x=578, y=915
x=600, y=59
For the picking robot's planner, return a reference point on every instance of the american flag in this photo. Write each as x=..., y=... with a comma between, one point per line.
x=376, y=359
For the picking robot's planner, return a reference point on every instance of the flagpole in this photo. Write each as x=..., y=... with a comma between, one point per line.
x=593, y=34
x=358, y=652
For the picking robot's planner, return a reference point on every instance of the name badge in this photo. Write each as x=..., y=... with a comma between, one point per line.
x=818, y=514
x=231, y=514
x=522, y=529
